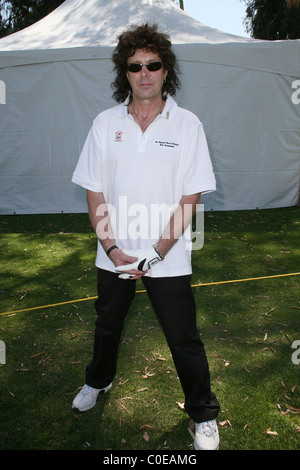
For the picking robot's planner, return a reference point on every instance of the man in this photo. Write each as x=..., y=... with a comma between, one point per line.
x=149, y=157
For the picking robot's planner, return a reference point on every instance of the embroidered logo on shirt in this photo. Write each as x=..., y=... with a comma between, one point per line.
x=118, y=136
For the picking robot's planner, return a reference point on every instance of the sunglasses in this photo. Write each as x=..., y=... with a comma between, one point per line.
x=152, y=67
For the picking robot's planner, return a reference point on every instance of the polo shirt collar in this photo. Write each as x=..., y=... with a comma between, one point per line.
x=168, y=112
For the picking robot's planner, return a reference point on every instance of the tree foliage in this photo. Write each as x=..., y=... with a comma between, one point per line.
x=16, y=15
x=273, y=19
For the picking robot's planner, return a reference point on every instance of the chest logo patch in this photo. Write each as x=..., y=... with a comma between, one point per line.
x=118, y=136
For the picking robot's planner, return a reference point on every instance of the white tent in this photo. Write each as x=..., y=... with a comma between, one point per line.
x=57, y=75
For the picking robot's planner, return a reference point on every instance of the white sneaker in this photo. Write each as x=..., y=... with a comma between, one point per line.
x=206, y=436
x=87, y=397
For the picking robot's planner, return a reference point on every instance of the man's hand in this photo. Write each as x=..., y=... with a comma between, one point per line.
x=144, y=260
x=120, y=258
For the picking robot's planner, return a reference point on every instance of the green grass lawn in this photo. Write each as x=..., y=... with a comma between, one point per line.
x=248, y=329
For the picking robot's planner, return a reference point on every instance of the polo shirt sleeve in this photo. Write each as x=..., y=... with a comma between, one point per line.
x=198, y=170
x=88, y=170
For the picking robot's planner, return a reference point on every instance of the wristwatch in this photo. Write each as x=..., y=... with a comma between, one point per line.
x=158, y=252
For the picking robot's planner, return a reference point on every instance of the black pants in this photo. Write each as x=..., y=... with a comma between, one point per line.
x=174, y=304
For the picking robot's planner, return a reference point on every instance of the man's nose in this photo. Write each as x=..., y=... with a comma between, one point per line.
x=144, y=70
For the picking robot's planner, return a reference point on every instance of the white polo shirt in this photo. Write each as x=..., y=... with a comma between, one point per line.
x=143, y=177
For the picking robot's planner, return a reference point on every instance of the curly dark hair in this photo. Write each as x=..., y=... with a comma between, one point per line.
x=144, y=37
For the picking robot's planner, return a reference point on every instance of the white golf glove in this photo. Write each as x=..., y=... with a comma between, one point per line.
x=147, y=258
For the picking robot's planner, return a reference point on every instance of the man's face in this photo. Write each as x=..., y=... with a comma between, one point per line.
x=146, y=85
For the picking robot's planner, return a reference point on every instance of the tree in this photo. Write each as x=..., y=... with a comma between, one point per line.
x=264, y=18
x=292, y=20
x=273, y=19
x=16, y=15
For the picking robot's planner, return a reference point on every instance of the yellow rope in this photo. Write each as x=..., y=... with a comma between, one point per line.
x=249, y=279
x=141, y=291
